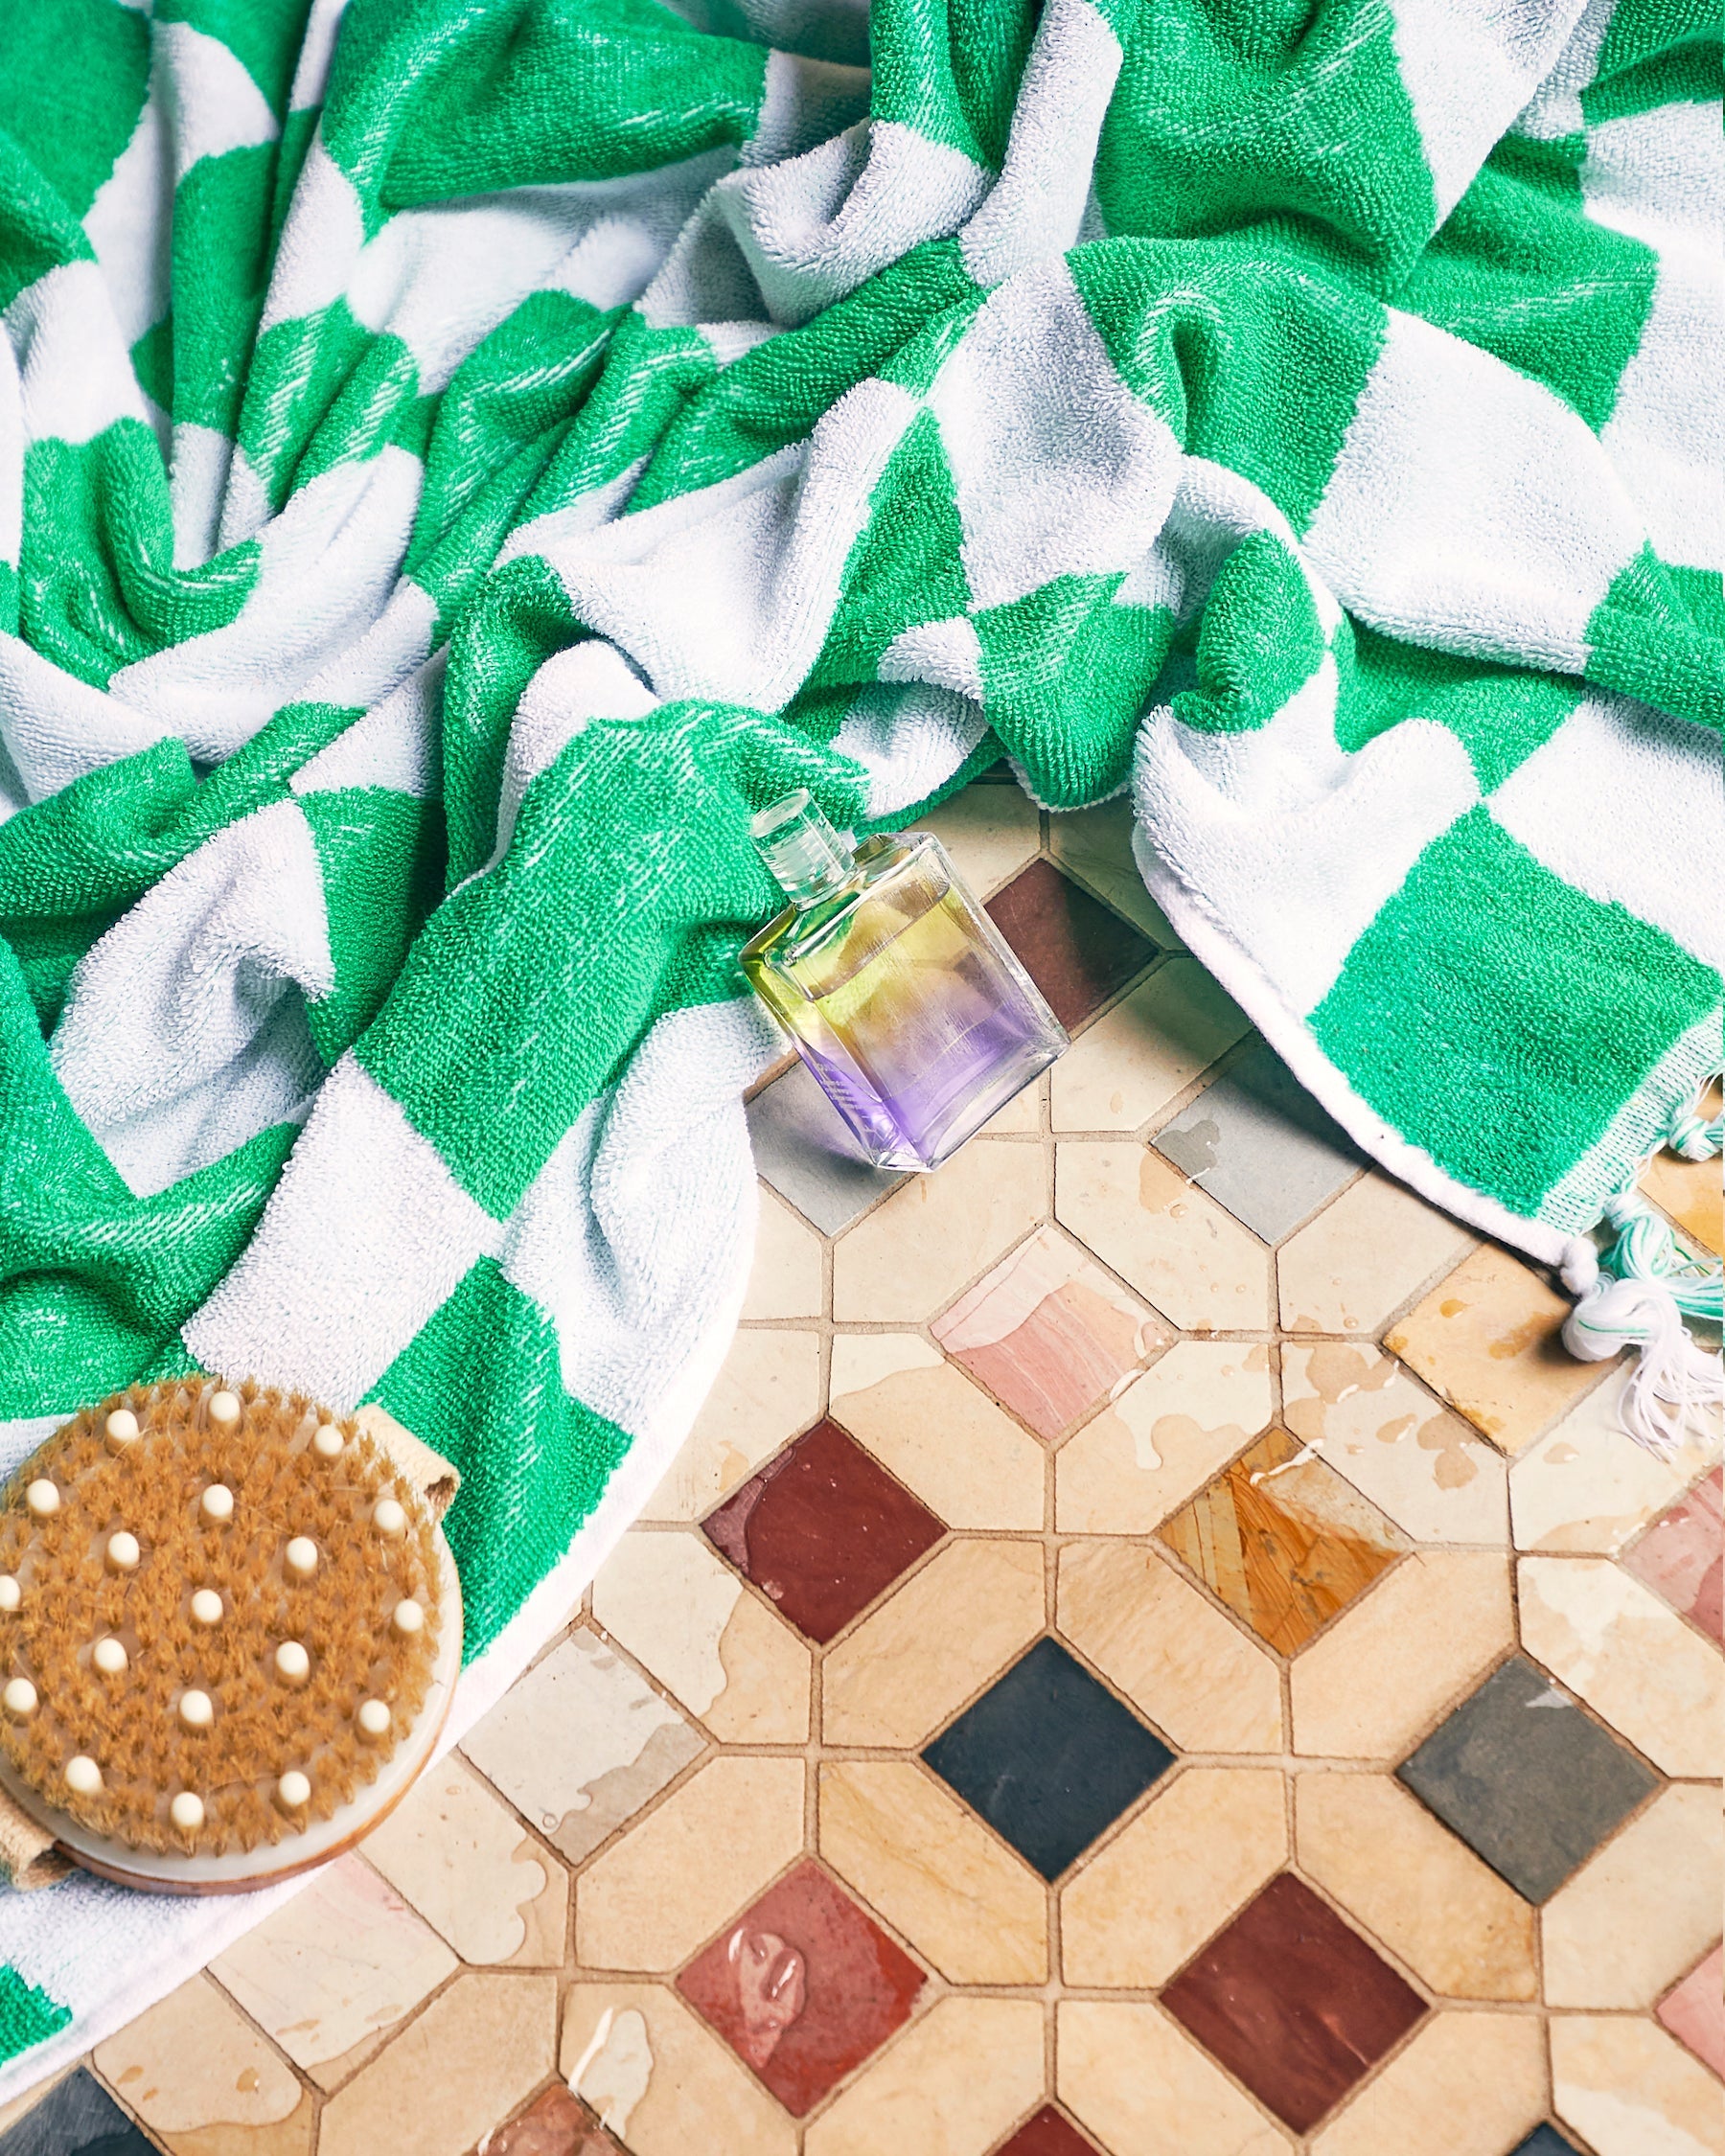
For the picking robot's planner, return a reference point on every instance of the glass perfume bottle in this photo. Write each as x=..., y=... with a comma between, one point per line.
x=901, y=995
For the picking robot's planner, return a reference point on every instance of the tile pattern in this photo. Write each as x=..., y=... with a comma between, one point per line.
x=1254, y=1796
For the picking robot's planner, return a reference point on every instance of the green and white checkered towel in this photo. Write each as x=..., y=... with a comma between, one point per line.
x=458, y=458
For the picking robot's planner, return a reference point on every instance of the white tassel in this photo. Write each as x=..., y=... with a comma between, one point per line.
x=1673, y=1382
x=1638, y=1296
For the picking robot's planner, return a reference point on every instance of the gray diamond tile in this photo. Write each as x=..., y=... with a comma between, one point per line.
x=808, y=1156
x=77, y=2119
x=1526, y=1779
x=1260, y=1145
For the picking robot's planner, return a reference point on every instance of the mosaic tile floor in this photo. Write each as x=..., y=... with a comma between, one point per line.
x=1149, y=1649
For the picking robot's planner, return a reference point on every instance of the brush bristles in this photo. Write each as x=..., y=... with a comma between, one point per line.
x=130, y=1723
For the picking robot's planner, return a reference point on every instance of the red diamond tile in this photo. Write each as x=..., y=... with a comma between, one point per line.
x=557, y=2123
x=1047, y=2134
x=1293, y=2002
x=1682, y=1556
x=822, y=1530
x=803, y=1986
x=1076, y=950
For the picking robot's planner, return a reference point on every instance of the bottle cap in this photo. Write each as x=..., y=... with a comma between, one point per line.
x=803, y=853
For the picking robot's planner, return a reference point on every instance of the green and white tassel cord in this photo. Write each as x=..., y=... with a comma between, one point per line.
x=1638, y=1293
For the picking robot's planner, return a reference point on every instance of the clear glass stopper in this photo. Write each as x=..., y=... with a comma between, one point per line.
x=802, y=851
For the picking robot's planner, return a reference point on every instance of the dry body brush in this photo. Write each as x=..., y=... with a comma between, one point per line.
x=218, y=1616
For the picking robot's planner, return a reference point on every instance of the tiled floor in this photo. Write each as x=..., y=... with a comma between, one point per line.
x=1150, y=1649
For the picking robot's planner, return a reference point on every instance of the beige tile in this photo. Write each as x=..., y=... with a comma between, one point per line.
x=947, y=1631
x=459, y=1856
x=1630, y=1657
x=1144, y=2087
x=785, y=1279
x=904, y=1260
x=990, y=831
x=192, y=2065
x=689, y=1620
x=1360, y=1410
x=767, y=1390
x=1426, y=1632
x=939, y=1434
x=1164, y=1437
x=653, y=2071
x=1587, y=1487
x=1021, y=1116
x=1643, y=1909
x=331, y=1971
x=580, y=1743
x=1177, y=1247
x=480, y=2048
x=1204, y=1681
x=916, y=1854
x=708, y=1850
x=1351, y=1269
x=1469, y=2085
x=1630, y=2090
x=963, y=2072
x=1147, y=1900
x=1095, y=846
x=1486, y=1339
x=1461, y=1930
x=1149, y=1047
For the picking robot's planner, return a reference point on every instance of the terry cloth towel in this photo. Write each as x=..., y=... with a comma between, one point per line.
x=457, y=458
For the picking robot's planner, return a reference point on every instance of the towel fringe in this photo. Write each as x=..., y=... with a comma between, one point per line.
x=1638, y=1293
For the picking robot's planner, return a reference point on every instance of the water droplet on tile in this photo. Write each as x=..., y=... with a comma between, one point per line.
x=612, y=2075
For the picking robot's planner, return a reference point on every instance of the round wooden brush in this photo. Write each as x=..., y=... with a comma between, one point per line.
x=219, y=1617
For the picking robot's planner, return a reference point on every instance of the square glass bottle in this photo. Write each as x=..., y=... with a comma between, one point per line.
x=899, y=993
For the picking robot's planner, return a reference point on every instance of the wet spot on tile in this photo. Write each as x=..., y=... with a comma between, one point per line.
x=1283, y=1541
x=804, y=1151
x=822, y=1530
x=76, y=2118
x=330, y=1973
x=1078, y=953
x=803, y=1986
x=1487, y=1341
x=1048, y=1757
x=1526, y=1778
x=1682, y=1556
x=1694, y=2012
x=1048, y=1332
x=1642, y=1670
x=581, y=1743
x=1352, y=1268
x=1260, y=1143
x=1188, y=1256
x=1293, y=2002
x=1049, y=2133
